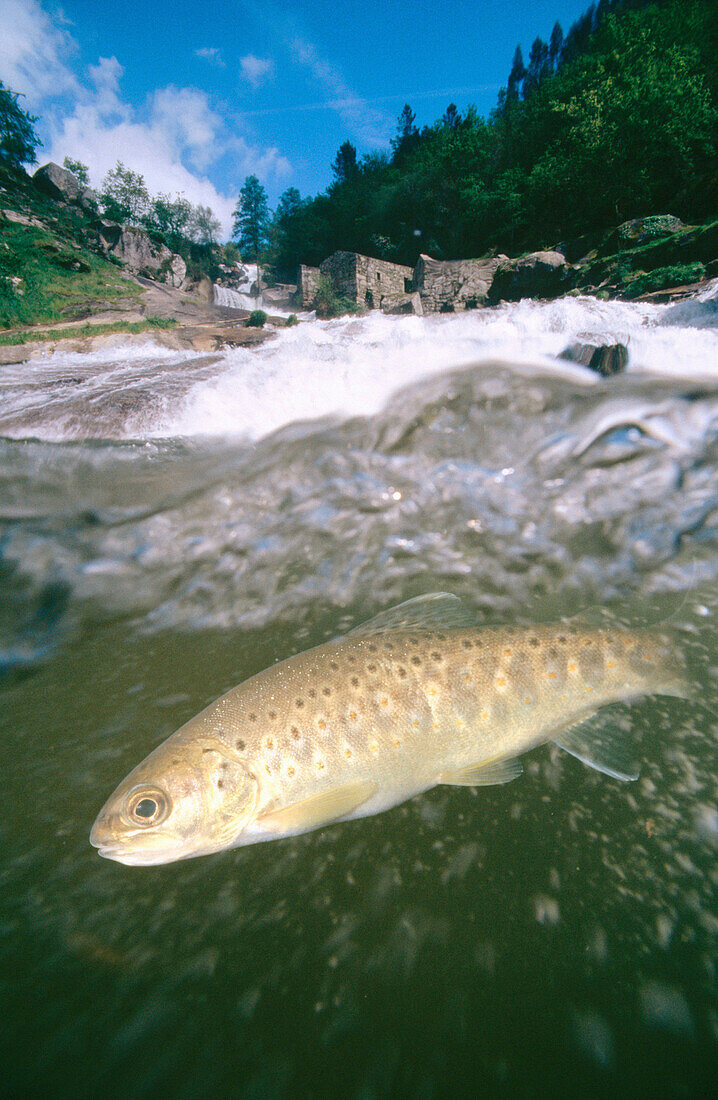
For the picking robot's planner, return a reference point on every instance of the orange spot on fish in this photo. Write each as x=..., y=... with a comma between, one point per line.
x=290, y=771
x=385, y=702
x=571, y=668
x=500, y=682
x=322, y=724
x=552, y=675
x=353, y=716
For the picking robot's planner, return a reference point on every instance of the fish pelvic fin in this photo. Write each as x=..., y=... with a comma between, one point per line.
x=486, y=774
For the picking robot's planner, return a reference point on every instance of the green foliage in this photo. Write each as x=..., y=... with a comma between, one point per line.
x=124, y=196
x=291, y=320
x=328, y=302
x=79, y=170
x=18, y=140
x=251, y=219
x=662, y=277
x=170, y=217
x=257, y=319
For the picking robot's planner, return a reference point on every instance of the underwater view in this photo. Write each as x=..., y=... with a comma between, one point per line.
x=172, y=523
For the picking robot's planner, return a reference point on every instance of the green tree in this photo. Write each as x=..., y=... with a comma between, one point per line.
x=204, y=227
x=251, y=219
x=18, y=140
x=407, y=134
x=124, y=195
x=170, y=217
x=79, y=170
x=344, y=165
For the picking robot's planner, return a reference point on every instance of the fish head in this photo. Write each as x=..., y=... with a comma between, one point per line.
x=183, y=800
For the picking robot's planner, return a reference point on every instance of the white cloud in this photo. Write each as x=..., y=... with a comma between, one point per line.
x=173, y=139
x=365, y=122
x=256, y=69
x=34, y=51
x=211, y=54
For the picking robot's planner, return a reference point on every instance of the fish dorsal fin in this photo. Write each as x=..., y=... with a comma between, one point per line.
x=430, y=612
x=602, y=747
x=486, y=774
x=318, y=809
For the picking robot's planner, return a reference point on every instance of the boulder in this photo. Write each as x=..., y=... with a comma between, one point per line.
x=605, y=359
x=538, y=275
x=136, y=249
x=640, y=231
x=60, y=184
x=403, y=304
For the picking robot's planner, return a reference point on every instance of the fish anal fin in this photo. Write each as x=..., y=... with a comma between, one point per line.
x=601, y=747
x=485, y=774
x=430, y=612
x=318, y=809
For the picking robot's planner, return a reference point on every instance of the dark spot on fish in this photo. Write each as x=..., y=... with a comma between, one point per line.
x=224, y=765
x=240, y=745
x=436, y=657
x=272, y=714
x=413, y=641
x=466, y=643
x=326, y=691
x=401, y=672
x=312, y=693
x=252, y=717
x=416, y=660
x=334, y=665
x=300, y=702
x=534, y=641
x=562, y=639
x=388, y=645
x=351, y=660
x=372, y=648
x=220, y=783
x=295, y=734
x=371, y=668
x=441, y=637
x=208, y=750
x=355, y=681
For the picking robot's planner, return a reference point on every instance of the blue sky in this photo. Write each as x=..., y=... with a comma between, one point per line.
x=198, y=96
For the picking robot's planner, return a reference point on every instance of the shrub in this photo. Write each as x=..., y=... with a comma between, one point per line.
x=328, y=302
x=291, y=320
x=257, y=319
x=676, y=275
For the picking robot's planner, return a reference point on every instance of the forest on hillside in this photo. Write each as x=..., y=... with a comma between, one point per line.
x=616, y=119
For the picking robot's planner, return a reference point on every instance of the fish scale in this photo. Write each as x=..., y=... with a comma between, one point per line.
x=413, y=698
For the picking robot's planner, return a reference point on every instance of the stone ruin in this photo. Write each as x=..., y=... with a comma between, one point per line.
x=436, y=286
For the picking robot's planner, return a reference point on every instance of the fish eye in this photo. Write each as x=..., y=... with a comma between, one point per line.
x=147, y=807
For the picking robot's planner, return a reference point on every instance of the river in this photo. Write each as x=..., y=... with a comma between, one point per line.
x=171, y=523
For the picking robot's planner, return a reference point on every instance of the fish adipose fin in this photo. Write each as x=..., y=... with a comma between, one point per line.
x=319, y=809
x=486, y=774
x=606, y=749
x=430, y=612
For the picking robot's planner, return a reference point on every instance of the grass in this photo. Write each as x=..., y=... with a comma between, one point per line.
x=60, y=280
x=10, y=339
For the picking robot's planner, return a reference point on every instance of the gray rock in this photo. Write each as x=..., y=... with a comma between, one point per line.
x=403, y=304
x=605, y=359
x=136, y=249
x=60, y=184
x=538, y=275
x=640, y=231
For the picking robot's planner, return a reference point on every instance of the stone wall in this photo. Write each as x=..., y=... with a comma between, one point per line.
x=365, y=280
x=449, y=285
x=307, y=285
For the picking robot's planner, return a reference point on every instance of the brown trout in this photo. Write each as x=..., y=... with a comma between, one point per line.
x=415, y=697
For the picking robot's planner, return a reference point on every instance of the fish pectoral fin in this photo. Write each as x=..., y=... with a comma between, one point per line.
x=430, y=612
x=485, y=774
x=319, y=809
x=603, y=748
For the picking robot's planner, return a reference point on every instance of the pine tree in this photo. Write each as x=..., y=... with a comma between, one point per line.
x=18, y=140
x=451, y=117
x=555, y=46
x=251, y=219
x=517, y=74
x=344, y=165
x=406, y=133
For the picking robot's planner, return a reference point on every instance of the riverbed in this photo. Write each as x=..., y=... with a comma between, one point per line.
x=172, y=522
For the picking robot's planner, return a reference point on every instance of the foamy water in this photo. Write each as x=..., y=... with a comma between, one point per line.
x=343, y=368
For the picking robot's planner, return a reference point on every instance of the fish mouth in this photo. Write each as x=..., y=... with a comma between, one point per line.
x=145, y=854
